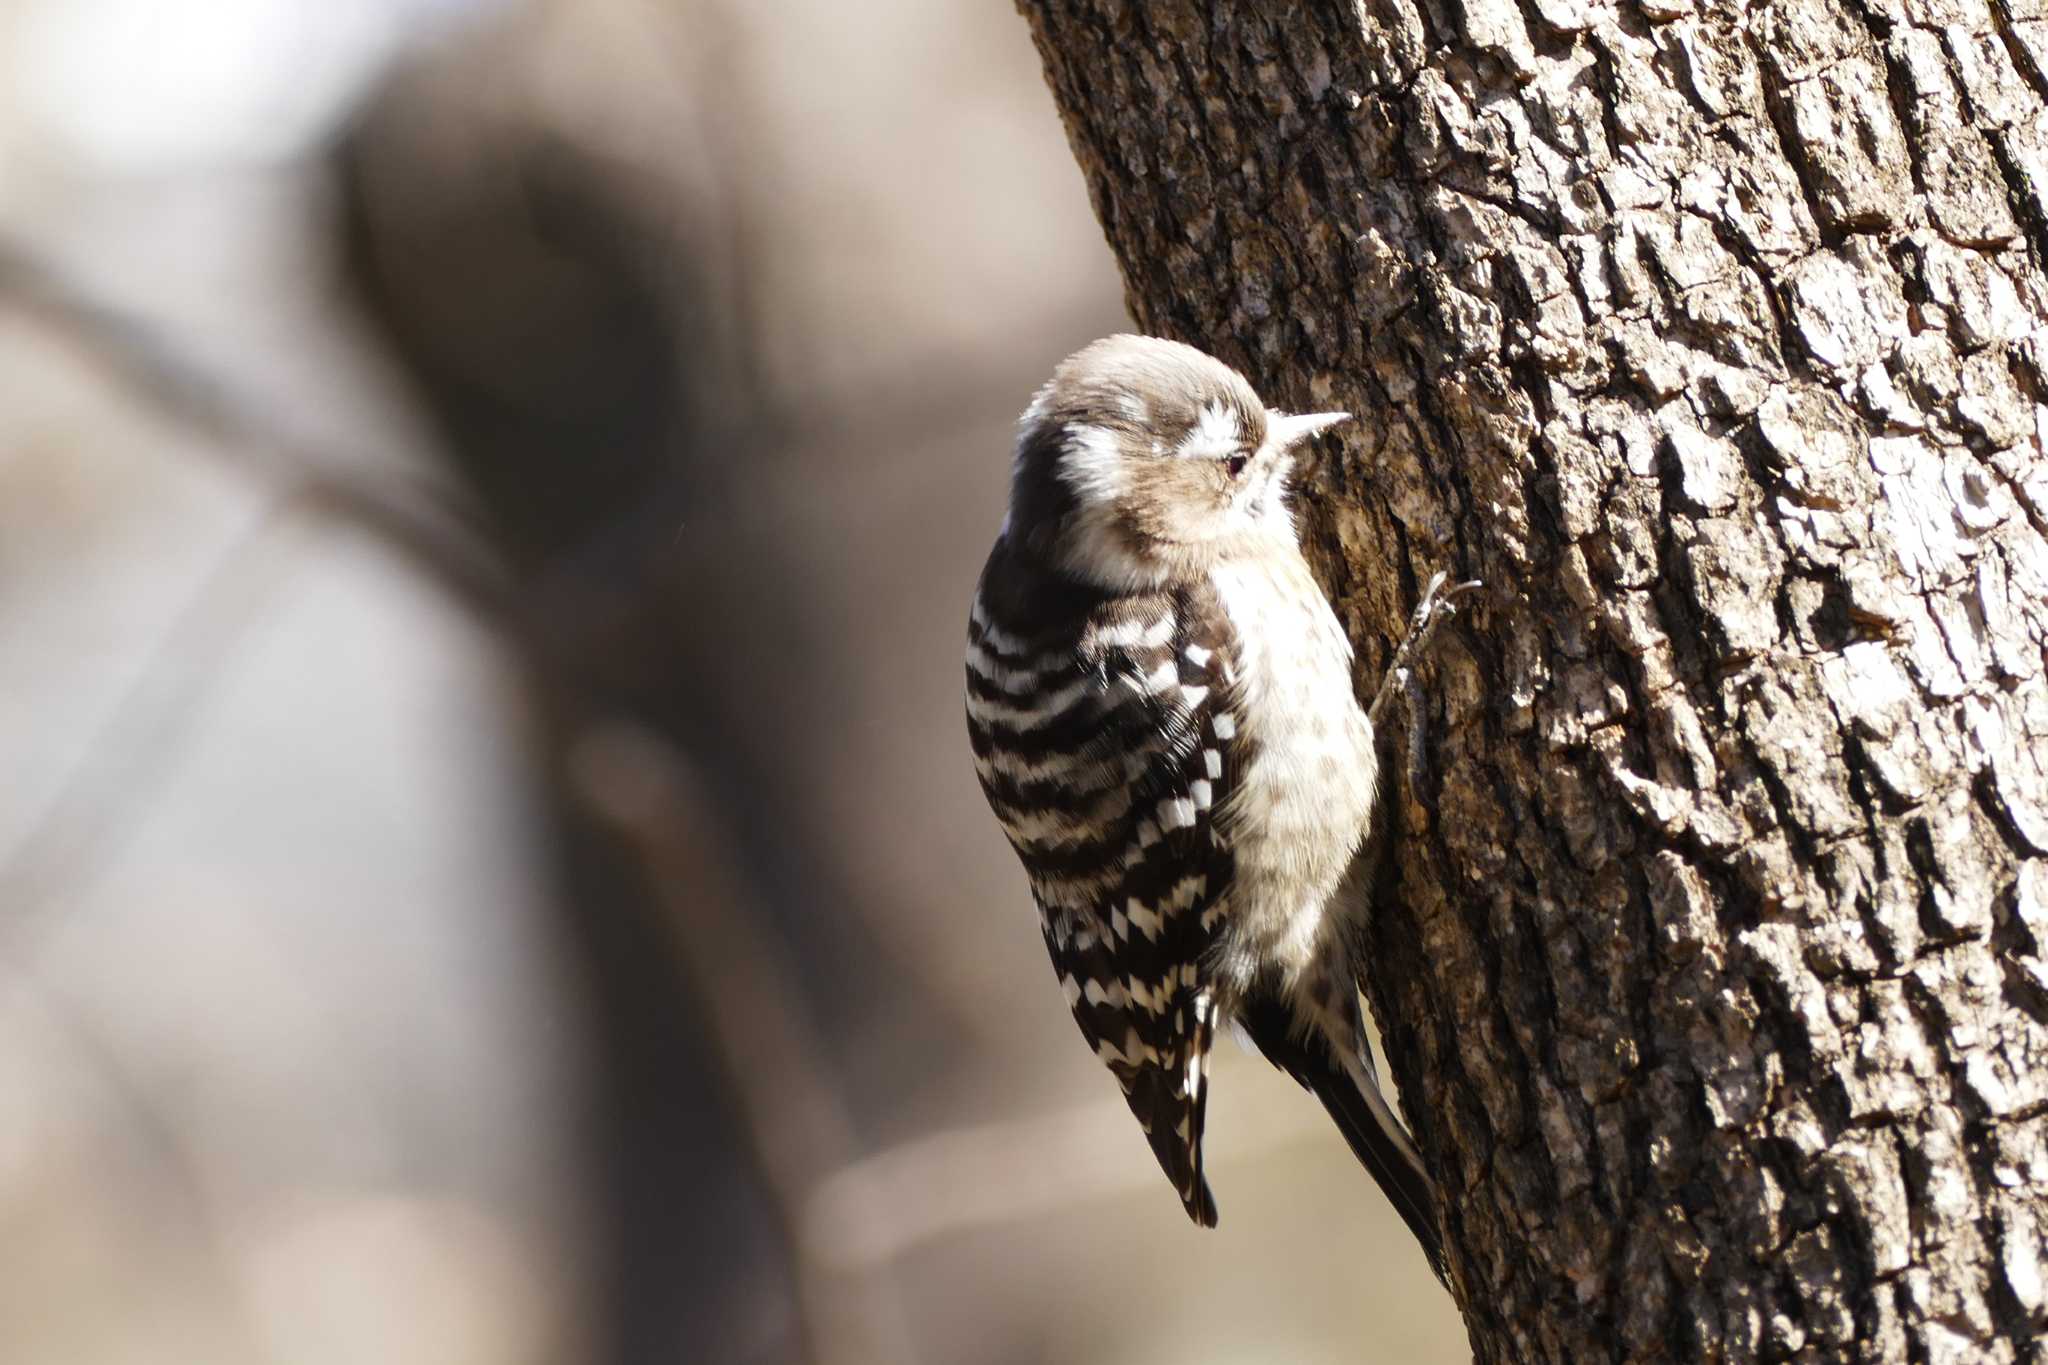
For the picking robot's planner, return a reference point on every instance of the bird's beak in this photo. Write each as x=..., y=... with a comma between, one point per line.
x=1284, y=429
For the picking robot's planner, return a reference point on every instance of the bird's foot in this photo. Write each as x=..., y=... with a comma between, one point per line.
x=1438, y=604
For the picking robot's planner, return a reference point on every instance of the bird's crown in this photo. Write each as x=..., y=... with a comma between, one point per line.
x=1143, y=461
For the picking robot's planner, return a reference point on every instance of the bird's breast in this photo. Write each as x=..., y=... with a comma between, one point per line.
x=1305, y=795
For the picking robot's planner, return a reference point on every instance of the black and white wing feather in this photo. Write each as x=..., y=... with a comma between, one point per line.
x=1106, y=745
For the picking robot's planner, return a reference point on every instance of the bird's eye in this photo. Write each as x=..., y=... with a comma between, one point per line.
x=1236, y=462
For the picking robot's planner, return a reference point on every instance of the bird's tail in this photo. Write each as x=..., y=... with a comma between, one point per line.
x=1351, y=1092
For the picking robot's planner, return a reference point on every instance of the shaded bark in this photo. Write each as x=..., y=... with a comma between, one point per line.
x=1717, y=344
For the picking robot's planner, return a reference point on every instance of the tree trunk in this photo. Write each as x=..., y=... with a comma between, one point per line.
x=1715, y=969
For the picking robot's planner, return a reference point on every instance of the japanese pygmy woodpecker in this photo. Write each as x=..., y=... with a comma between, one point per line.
x=1161, y=708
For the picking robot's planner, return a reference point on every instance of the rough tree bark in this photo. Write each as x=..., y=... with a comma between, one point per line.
x=1715, y=339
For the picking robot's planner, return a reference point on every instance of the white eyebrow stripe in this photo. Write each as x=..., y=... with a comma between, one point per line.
x=1216, y=433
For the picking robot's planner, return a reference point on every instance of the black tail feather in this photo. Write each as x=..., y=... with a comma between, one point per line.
x=1367, y=1121
x=1173, y=1125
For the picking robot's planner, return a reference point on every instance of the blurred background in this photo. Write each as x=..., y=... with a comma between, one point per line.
x=490, y=870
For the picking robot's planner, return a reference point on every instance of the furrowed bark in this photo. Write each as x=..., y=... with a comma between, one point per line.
x=1716, y=342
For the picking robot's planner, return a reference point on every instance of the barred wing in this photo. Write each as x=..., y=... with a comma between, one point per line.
x=1107, y=748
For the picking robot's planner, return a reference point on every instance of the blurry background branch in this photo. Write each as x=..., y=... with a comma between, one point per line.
x=617, y=966
x=793, y=1124
x=750, y=1006
x=421, y=520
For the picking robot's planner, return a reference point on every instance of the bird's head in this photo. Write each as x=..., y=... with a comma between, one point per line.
x=1144, y=462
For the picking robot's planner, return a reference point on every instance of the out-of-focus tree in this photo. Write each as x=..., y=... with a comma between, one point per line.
x=565, y=316
x=1716, y=343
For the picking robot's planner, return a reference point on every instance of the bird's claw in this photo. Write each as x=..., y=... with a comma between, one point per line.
x=1437, y=604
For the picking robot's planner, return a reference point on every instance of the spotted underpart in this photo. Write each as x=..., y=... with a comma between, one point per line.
x=1104, y=742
